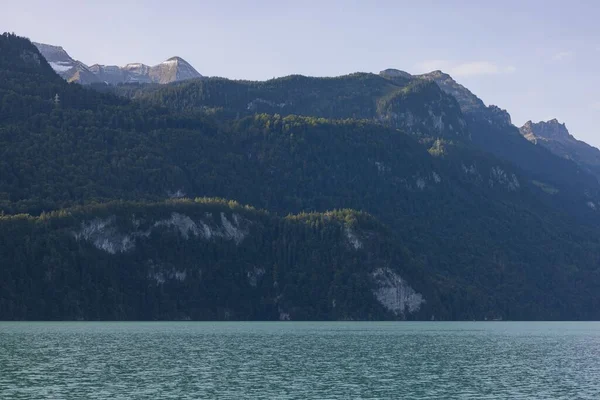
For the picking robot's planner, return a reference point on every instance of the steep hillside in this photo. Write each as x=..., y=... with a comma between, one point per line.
x=413, y=105
x=200, y=260
x=491, y=129
x=428, y=106
x=476, y=237
x=573, y=185
x=65, y=66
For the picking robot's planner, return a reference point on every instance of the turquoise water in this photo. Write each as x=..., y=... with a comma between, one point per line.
x=290, y=360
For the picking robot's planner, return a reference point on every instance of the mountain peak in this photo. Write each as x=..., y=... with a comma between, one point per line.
x=176, y=59
x=549, y=130
x=555, y=136
x=48, y=47
x=171, y=70
x=395, y=73
x=438, y=74
x=466, y=99
x=64, y=65
x=554, y=121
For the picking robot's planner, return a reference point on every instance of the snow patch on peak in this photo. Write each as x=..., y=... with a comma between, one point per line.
x=59, y=66
x=172, y=70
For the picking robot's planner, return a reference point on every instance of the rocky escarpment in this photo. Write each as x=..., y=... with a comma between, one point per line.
x=550, y=130
x=112, y=236
x=555, y=137
x=422, y=109
x=469, y=102
x=203, y=259
x=573, y=177
x=105, y=235
x=65, y=66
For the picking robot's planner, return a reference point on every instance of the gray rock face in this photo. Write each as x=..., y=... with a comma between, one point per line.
x=172, y=70
x=57, y=57
x=467, y=100
x=104, y=234
x=551, y=130
x=440, y=115
x=64, y=65
x=395, y=294
x=469, y=103
x=110, y=74
x=555, y=136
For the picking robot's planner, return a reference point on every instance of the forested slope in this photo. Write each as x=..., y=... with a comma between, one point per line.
x=475, y=236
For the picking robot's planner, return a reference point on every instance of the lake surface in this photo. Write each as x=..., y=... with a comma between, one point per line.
x=292, y=360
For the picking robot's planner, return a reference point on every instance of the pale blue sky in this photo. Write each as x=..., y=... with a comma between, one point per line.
x=538, y=59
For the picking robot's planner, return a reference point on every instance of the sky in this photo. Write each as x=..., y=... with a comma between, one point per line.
x=538, y=59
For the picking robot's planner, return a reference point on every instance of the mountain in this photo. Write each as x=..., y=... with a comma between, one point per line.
x=70, y=69
x=231, y=263
x=418, y=106
x=431, y=107
x=555, y=137
x=491, y=130
x=174, y=69
x=93, y=225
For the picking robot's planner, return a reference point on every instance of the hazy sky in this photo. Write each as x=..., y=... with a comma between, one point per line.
x=539, y=59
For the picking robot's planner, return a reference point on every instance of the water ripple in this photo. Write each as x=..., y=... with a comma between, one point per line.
x=289, y=360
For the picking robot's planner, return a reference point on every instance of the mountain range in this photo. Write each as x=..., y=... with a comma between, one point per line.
x=173, y=69
x=364, y=196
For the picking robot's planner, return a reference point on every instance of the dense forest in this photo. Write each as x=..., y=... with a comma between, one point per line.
x=92, y=228
x=428, y=107
x=204, y=259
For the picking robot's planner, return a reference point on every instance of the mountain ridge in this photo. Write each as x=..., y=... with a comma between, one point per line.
x=492, y=130
x=474, y=235
x=174, y=69
x=555, y=136
x=418, y=105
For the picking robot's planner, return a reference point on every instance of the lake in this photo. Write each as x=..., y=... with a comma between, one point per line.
x=299, y=360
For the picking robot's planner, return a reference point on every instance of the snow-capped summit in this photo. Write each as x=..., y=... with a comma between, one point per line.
x=172, y=70
x=56, y=56
x=62, y=63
